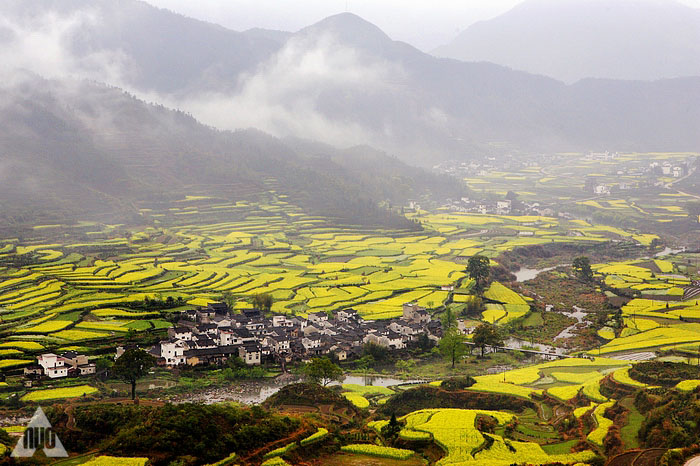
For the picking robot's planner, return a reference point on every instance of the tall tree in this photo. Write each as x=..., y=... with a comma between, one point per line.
x=448, y=318
x=582, y=268
x=452, y=345
x=478, y=270
x=229, y=298
x=322, y=371
x=263, y=301
x=131, y=366
x=486, y=335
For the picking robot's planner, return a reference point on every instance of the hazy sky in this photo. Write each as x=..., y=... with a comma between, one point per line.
x=425, y=24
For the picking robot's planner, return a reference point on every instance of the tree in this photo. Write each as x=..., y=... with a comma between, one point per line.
x=405, y=365
x=322, y=371
x=364, y=364
x=263, y=301
x=424, y=342
x=131, y=366
x=452, y=345
x=693, y=209
x=486, y=335
x=391, y=431
x=229, y=298
x=448, y=318
x=582, y=268
x=478, y=270
x=474, y=306
x=378, y=352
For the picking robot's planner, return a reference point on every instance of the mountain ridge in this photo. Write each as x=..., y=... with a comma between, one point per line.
x=86, y=148
x=344, y=82
x=577, y=39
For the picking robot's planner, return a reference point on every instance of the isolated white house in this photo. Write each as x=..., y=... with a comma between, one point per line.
x=54, y=366
x=601, y=189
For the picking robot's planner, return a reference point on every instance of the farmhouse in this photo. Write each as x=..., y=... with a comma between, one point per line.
x=56, y=366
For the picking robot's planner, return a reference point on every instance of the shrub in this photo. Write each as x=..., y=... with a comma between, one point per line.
x=458, y=383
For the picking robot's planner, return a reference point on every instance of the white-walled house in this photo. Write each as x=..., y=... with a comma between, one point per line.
x=174, y=352
x=317, y=317
x=54, y=366
x=250, y=354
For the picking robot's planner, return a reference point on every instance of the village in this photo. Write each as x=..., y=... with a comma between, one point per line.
x=213, y=334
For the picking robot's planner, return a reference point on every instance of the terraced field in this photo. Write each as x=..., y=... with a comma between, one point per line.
x=561, y=379
x=455, y=431
x=661, y=318
x=94, y=289
x=560, y=179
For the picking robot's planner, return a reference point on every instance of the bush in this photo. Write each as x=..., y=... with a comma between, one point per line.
x=663, y=373
x=206, y=433
x=458, y=383
x=426, y=397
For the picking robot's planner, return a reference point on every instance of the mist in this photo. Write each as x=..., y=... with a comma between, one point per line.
x=282, y=96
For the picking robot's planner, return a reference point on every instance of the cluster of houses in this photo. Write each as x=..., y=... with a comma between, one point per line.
x=54, y=366
x=214, y=334
x=483, y=166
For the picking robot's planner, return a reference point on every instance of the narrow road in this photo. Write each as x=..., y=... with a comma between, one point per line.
x=690, y=173
x=694, y=461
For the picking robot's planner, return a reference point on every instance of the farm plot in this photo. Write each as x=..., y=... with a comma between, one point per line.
x=563, y=379
x=455, y=431
x=59, y=393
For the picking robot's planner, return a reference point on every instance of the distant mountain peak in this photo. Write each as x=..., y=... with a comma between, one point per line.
x=350, y=29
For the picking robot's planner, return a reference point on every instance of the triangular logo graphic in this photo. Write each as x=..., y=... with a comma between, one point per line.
x=39, y=436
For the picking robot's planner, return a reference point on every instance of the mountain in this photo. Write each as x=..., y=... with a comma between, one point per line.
x=79, y=149
x=343, y=82
x=424, y=108
x=155, y=49
x=575, y=39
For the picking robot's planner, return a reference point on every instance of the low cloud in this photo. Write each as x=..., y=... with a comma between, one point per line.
x=315, y=87
x=43, y=45
x=288, y=95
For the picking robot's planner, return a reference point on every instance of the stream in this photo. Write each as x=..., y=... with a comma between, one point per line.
x=580, y=315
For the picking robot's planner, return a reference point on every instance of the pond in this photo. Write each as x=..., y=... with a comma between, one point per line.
x=257, y=391
x=516, y=343
x=524, y=274
x=377, y=380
